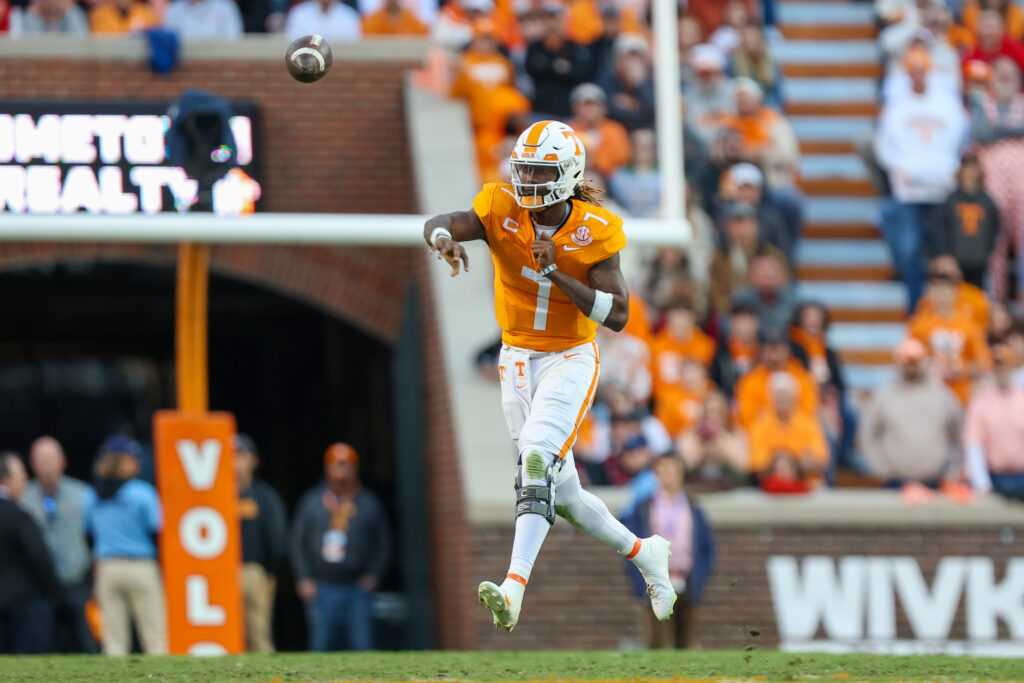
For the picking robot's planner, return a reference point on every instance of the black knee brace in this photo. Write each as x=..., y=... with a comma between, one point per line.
x=537, y=500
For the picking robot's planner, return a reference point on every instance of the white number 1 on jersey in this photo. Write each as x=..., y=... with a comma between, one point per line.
x=540, y=314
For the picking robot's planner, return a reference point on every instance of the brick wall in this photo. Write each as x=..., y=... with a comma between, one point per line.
x=579, y=597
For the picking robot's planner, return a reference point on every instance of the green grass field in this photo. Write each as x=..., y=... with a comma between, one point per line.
x=511, y=666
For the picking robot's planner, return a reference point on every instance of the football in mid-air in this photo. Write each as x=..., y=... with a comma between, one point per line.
x=308, y=58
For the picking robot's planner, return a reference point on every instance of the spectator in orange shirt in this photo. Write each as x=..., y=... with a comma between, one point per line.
x=715, y=450
x=737, y=349
x=678, y=406
x=122, y=16
x=767, y=137
x=788, y=452
x=1011, y=12
x=486, y=80
x=809, y=331
x=606, y=141
x=955, y=341
x=454, y=27
x=970, y=300
x=753, y=396
x=393, y=20
x=679, y=339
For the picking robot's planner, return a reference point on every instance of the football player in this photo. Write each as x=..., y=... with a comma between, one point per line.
x=557, y=277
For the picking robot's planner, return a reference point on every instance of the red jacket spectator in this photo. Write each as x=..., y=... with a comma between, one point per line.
x=5, y=16
x=993, y=42
x=1008, y=47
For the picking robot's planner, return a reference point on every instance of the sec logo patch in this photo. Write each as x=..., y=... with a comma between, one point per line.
x=581, y=236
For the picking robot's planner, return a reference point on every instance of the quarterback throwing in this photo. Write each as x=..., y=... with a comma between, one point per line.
x=557, y=277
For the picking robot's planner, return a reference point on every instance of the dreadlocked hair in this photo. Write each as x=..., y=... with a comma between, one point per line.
x=587, y=193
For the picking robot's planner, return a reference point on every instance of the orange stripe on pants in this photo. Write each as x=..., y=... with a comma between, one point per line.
x=586, y=404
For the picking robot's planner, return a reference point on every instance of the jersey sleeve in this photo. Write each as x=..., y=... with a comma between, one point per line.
x=483, y=206
x=614, y=238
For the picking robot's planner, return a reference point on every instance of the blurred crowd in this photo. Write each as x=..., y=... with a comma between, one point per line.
x=79, y=561
x=723, y=363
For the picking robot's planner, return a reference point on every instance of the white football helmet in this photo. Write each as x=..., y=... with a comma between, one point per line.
x=547, y=164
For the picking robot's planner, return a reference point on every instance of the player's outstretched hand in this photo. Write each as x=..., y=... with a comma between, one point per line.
x=543, y=251
x=452, y=252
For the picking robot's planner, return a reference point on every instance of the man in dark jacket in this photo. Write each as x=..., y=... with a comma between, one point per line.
x=556, y=65
x=27, y=579
x=969, y=222
x=264, y=531
x=340, y=549
x=630, y=84
x=673, y=516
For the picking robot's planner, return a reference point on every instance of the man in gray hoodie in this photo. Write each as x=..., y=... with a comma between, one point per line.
x=910, y=430
x=340, y=550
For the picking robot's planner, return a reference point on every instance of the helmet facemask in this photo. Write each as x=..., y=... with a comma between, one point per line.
x=539, y=184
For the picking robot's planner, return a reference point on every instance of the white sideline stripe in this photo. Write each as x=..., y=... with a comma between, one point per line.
x=270, y=228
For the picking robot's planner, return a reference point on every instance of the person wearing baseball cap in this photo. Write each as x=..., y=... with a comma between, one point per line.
x=908, y=432
x=264, y=544
x=744, y=182
x=606, y=141
x=340, y=552
x=710, y=96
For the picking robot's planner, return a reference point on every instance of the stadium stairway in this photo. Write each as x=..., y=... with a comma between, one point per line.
x=832, y=64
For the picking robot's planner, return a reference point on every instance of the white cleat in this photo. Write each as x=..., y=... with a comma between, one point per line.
x=504, y=605
x=652, y=561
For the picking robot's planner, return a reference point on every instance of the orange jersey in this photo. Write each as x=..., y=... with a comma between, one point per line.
x=800, y=435
x=668, y=354
x=754, y=398
x=970, y=300
x=815, y=349
x=532, y=312
x=678, y=408
x=639, y=324
x=952, y=343
x=743, y=356
x=405, y=23
x=109, y=19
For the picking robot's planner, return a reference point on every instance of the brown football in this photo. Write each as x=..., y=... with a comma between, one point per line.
x=308, y=58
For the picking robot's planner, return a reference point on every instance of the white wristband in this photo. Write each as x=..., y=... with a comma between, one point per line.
x=602, y=306
x=439, y=232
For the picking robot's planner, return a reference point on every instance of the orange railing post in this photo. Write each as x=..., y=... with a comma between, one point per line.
x=191, y=327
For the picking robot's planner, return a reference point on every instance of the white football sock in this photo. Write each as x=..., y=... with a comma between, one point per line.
x=589, y=514
x=531, y=530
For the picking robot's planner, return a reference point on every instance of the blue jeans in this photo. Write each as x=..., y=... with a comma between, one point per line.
x=1009, y=485
x=340, y=609
x=904, y=227
x=26, y=628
